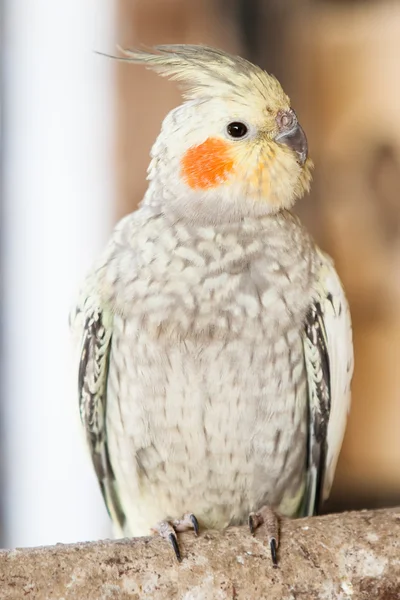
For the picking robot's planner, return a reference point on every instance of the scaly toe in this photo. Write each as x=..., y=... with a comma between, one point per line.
x=166, y=531
x=266, y=517
x=188, y=521
x=255, y=520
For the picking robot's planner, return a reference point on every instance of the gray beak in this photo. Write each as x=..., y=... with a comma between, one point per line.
x=292, y=135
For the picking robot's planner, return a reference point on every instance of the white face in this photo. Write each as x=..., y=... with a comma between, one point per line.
x=218, y=159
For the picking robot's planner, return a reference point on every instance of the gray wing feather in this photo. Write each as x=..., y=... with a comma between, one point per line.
x=319, y=404
x=328, y=353
x=92, y=381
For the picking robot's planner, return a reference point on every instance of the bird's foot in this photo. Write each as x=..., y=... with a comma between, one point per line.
x=168, y=530
x=266, y=517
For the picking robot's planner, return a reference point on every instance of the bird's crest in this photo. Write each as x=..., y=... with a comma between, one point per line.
x=205, y=72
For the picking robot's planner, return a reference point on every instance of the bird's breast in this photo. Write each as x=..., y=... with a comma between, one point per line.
x=204, y=283
x=217, y=430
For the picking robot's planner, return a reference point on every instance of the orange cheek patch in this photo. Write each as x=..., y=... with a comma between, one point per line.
x=207, y=165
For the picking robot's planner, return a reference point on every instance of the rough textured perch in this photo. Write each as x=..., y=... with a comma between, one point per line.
x=352, y=556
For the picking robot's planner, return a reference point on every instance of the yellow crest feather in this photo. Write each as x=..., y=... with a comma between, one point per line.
x=203, y=72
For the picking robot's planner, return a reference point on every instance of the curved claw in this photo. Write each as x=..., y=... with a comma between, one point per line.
x=174, y=542
x=169, y=529
x=195, y=524
x=273, y=546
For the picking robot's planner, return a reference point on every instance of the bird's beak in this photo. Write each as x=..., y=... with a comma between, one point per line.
x=294, y=138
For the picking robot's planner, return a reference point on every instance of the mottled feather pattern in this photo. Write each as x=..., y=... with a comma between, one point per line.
x=337, y=324
x=206, y=320
x=317, y=365
x=92, y=382
x=328, y=353
x=216, y=340
x=235, y=293
x=92, y=374
x=207, y=281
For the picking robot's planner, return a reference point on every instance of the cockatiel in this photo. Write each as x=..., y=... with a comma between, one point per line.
x=216, y=345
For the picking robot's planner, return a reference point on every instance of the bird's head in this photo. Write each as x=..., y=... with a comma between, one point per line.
x=234, y=148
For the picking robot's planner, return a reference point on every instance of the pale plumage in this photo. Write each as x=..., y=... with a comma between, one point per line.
x=216, y=338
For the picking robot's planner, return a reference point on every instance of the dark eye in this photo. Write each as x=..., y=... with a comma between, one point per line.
x=237, y=129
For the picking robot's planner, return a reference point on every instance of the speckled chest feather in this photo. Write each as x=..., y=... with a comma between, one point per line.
x=206, y=408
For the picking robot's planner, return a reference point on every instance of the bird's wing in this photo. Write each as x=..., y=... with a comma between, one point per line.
x=94, y=324
x=328, y=352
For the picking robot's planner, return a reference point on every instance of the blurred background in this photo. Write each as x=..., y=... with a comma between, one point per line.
x=75, y=132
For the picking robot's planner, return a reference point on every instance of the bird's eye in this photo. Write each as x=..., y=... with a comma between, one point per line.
x=237, y=129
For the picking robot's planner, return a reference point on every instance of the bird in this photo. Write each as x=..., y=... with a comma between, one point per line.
x=214, y=335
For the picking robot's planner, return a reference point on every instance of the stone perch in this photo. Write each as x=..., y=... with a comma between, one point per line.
x=350, y=556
